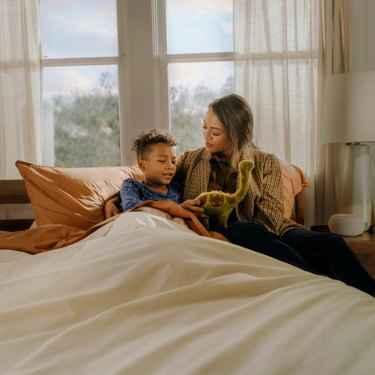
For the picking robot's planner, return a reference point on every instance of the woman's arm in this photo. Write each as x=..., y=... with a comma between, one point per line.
x=269, y=207
x=191, y=186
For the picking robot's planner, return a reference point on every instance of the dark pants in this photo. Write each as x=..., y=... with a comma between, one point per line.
x=317, y=252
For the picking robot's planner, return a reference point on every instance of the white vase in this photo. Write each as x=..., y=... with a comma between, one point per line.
x=346, y=224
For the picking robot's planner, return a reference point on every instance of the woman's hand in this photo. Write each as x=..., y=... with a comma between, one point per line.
x=193, y=205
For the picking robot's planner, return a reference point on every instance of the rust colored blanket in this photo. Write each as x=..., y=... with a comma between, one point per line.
x=54, y=236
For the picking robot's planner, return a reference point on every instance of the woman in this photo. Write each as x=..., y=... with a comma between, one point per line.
x=260, y=225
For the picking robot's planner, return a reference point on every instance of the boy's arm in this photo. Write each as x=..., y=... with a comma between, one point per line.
x=130, y=194
x=110, y=208
x=128, y=198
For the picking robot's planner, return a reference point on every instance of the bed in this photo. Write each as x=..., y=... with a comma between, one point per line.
x=144, y=293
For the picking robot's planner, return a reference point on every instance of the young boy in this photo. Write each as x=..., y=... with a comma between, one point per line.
x=156, y=158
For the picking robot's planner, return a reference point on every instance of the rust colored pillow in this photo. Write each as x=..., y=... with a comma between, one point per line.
x=294, y=181
x=72, y=196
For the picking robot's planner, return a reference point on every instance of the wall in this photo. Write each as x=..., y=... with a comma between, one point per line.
x=362, y=52
x=362, y=34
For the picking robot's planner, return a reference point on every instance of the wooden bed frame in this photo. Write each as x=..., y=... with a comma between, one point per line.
x=14, y=192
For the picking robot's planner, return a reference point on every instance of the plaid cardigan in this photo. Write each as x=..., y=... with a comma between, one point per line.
x=264, y=201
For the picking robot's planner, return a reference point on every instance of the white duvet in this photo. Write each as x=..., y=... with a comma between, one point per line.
x=145, y=295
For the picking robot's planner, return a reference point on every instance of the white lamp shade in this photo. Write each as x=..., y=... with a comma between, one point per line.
x=349, y=108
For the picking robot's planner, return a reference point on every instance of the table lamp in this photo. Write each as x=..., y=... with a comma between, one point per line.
x=349, y=117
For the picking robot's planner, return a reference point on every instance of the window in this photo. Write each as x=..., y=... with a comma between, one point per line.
x=112, y=68
x=199, y=60
x=80, y=82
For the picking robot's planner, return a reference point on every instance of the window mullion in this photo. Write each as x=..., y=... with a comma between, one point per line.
x=200, y=57
x=80, y=61
x=160, y=63
x=121, y=37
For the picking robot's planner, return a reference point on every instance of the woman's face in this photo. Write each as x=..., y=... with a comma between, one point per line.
x=215, y=136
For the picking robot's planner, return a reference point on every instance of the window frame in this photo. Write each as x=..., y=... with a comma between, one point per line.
x=142, y=57
x=45, y=62
x=163, y=59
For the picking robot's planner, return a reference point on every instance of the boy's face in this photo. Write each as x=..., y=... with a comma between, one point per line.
x=159, y=165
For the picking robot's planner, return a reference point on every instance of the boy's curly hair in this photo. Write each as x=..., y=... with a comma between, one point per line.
x=150, y=137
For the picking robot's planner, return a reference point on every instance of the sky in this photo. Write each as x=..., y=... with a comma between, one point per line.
x=199, y=26
x=87, y=28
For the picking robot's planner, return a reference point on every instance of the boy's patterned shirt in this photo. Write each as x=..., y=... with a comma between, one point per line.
x=134, y=192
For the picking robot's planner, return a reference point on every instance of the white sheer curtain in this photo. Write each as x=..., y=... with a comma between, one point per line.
x=276, y=65
x=283, y=51
x=20, y=85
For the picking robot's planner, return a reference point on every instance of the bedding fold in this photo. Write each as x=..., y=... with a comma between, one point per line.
x=55, y=236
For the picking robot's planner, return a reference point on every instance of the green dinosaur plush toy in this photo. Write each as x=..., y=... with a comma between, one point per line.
x=220, y=204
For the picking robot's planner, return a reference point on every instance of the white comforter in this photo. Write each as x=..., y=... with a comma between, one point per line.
x=145, y=295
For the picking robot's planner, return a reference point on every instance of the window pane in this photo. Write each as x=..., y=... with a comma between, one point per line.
x=81, y=117
x=192, y=87
x=79, y=28
x=195, y=26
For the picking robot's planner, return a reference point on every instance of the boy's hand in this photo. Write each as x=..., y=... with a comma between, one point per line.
x=110, y=208
x=193, y=205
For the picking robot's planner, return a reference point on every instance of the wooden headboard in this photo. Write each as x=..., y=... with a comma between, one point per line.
x=13, y=192
x=298, y=214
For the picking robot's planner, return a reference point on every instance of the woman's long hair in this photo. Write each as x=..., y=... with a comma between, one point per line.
x=235, y=114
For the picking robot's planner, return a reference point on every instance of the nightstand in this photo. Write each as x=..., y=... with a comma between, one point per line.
x=363, y=247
